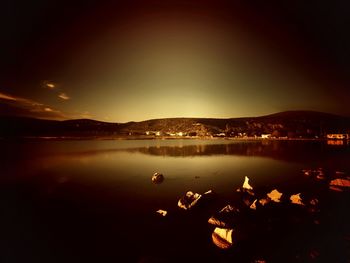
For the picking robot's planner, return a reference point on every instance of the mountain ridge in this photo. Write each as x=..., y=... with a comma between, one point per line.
x=280, y=124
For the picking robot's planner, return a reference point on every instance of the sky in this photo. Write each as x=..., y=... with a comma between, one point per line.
x=122, y=61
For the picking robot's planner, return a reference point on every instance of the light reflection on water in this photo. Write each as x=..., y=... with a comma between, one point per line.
x=195, y=165
x=167, y=155
x=107, y=184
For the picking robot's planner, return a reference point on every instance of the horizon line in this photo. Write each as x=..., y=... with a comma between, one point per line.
x=218, y=118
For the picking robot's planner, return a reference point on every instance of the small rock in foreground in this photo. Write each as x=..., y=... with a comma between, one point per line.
x=222, y=237
x=226, y=218
x=275, y=196
x=162, y=212
x=189, y=200
x=157, y=178
x=296, y=199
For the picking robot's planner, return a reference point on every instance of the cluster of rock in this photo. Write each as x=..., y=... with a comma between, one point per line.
x=229, y=221
x=337, y=181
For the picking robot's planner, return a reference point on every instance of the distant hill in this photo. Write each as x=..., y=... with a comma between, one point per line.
x=289, y=123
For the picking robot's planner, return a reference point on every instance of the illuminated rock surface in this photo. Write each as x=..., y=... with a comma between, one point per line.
x=189, y=200
x=157, y=178
x=275, y=196
x=296, y=199
x=222, y=237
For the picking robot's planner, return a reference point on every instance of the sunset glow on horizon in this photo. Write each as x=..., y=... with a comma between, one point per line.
x=132, y=62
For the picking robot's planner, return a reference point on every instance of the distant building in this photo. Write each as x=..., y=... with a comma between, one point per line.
x=338, y=136
x=266, y=136
x=156, y=133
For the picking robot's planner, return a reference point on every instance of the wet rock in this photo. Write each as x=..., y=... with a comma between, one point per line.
x=296, y=199
x=189, y=200
x=264, y=201
x=226, y=217
x=228, y=209
x=247, y=199
x=246, y=187
x=253, y=205
x=157, y=178
x=275, y=196
x=340, y=182
x=318, y=173
x=246, y=184
x=339, y=185
x=209, y=193
x=162, y=212
x=222, y=237
x=307, y=172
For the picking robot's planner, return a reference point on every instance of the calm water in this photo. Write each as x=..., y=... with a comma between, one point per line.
x=93, y=201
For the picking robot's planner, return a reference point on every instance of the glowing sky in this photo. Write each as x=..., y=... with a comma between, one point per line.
x=149, y=59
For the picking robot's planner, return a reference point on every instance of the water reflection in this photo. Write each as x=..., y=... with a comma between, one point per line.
x=86, y=196
x=335, y=142
x=279, y=150
x=274, y=149
x=27, y=158
x=294, y=151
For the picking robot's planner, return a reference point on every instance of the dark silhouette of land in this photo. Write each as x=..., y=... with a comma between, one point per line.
x=288, y=124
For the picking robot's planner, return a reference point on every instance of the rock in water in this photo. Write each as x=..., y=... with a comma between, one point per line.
x=162, y=212
x=253, y=205
x=157, y=178
x=189, y=200
x=246, y=188
x=264, y=201
x=222, y=237
x=339, y=185
x=209, y=192
x=296, y=199
x=246, y=184
x=275, y=196
x=340, y=182
x=228, y=217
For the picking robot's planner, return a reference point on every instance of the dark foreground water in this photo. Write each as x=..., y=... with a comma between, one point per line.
x=93, y=201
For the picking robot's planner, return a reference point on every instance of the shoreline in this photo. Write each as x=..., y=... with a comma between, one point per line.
x=130, y=137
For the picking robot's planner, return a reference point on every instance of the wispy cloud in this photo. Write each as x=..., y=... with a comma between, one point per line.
x=64, y=96
x=13, y=105
x=6, y=97
x=49, y=85
x=47, y=109
x=56, y=88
